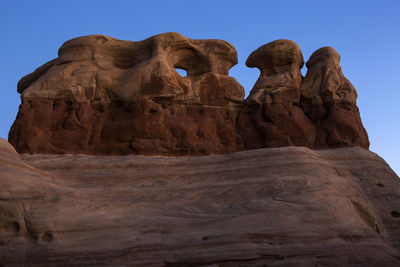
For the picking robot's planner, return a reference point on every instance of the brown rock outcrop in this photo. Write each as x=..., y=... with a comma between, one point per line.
x=143, y=126
x=283, y=109
x=329, y=100
x=107, y=96
x=272, y=116
x=275, y=207
x=110, y=97
x=279, y=62
x=101, y=68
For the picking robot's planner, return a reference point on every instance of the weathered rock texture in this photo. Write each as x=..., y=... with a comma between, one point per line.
x=274, y=207
x=283, y=109
x=329, y=100
x=272, y=116
x=107, y=96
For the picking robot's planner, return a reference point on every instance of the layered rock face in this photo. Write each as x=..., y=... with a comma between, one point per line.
x=267, y=207
x=106, y=96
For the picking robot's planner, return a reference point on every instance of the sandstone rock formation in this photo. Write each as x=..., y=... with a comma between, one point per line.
x=275, y=207
x=283, y=109
x=105, y=96
x=272, y=116
x=101, y=68
x=280, y=77
x=267, y=207
x=329, y=100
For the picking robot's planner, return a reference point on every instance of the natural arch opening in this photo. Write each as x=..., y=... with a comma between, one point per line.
x=181, y=72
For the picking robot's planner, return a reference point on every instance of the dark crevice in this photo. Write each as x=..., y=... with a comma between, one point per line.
x=395, y=214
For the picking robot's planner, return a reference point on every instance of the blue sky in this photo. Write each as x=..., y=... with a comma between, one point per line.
x=365, y=33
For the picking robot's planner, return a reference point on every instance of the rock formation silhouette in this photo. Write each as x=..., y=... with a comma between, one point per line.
x=72, y=193
x=329, y=101
x=105, y=96
x=272, y=116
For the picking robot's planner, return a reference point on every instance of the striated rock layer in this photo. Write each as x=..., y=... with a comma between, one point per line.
x=106, y=96
x=275, y=207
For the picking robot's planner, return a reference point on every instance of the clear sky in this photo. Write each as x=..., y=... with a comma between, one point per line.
x=365, y=33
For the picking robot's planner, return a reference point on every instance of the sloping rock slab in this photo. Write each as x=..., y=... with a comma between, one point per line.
x=275, y=207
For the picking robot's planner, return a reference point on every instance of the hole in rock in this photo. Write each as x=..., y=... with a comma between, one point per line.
x=380, y=185
x=10, y=227
x=47, y=237
x=152, y=110
x=181, y=72
x=395, y=214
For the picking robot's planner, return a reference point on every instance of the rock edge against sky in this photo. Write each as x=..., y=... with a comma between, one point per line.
x=105, y=96
x=78, y=187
